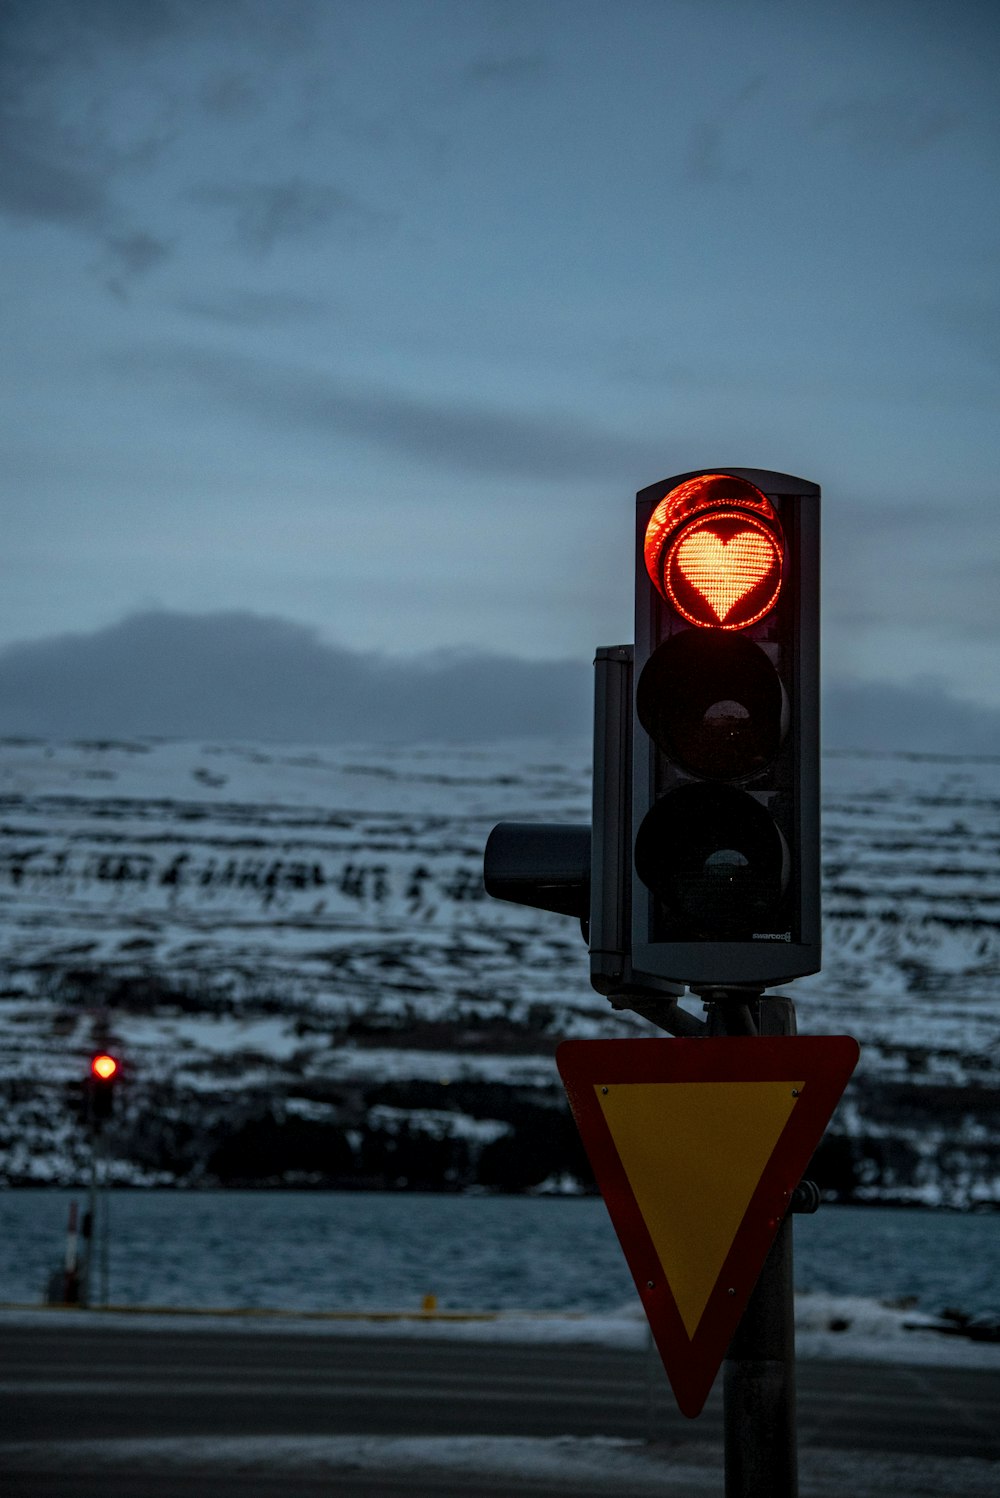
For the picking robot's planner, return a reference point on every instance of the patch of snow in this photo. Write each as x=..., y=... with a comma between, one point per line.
x=570, y=1463
x=437, y=1124
x=827, y=1327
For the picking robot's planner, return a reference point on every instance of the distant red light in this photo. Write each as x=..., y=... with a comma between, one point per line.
x=104, y=1067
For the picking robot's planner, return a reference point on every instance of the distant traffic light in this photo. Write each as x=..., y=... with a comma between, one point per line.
x=725, y=813
x=104, y=1073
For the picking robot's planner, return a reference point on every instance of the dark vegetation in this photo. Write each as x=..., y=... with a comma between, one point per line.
x=896, y=1144
x=906, y=1132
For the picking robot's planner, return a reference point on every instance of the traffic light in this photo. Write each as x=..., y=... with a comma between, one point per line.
x=725, y=783
x=104, y=1072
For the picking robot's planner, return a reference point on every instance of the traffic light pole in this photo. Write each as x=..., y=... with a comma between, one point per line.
x=759, y=1371
x=702, y=865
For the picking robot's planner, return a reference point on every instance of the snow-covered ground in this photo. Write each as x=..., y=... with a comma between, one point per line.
x=353, y=878
x=572, y=1465
x=826, y=1326
x=267, y=920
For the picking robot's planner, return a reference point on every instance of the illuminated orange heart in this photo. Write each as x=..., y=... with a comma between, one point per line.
x=724, y=571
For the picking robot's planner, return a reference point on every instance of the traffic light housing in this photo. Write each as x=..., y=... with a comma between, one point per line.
x=583, y=871
x=104, y=1073
x=612, y=970
x=725, y=733
x=542, y=864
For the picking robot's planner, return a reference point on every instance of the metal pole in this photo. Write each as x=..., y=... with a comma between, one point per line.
x=759, y=1370
x=71, y=1275
x=759, y=1386
x=88, y=1287
x=105, y=1230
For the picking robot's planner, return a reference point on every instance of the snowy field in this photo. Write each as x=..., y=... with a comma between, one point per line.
x=260, y=872
x=251, y=917
x=826, y=1326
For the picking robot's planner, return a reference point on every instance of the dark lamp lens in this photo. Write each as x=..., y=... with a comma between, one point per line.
x=713, y=702
x=716, y=859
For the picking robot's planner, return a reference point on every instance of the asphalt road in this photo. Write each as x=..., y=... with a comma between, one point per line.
x=119, y=1410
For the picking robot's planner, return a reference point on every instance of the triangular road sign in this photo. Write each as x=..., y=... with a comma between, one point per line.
x=697, y=1145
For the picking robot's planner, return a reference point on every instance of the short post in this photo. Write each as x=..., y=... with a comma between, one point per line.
x=761, y=1448
x=89, y=1288
x=71, y=1273
x=105, y=1238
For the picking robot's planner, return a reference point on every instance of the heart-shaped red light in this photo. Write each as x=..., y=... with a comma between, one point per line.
x=724, y=571
x=712, y=569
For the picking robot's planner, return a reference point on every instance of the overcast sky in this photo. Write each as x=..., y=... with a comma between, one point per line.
x=372, y=317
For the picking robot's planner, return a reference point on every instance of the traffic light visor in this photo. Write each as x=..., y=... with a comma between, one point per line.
x=713, y=549
x=104, y=1067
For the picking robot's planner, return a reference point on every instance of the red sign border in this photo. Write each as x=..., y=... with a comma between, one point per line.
x=822, y=1063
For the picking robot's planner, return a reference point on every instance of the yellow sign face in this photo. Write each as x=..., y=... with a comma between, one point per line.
x=697, y=1144
x=693, y=1194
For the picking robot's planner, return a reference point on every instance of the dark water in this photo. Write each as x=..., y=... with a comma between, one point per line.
x=345, y=1250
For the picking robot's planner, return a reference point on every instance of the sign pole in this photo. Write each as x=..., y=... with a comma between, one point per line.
x=759, y=1370
x=759, y=1386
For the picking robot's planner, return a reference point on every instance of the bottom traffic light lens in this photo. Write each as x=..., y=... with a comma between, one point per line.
x=716, y=859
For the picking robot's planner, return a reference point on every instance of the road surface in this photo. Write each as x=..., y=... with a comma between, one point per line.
x=125, y=1409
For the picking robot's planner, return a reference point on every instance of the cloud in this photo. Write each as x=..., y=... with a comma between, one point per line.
x=253, y=309
x=137, y=252
x=513, y=68
x=919, y=716
x=68, y=145
x=447, y=432
x=34, y=185
x=53, y=180
x=132, y=255
x=887, y=124
x=244, y=676
x=707, y=158
x=51, y=33
x=973, y=322
x=263, y=213
x=231, y=95
x=705, y=162
x=49, y=183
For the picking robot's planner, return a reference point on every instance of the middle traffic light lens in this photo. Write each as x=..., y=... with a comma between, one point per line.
x=713, y=702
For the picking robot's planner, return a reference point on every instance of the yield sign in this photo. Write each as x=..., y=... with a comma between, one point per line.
x=697, y=1145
